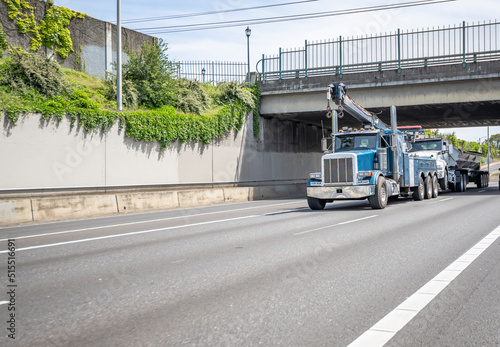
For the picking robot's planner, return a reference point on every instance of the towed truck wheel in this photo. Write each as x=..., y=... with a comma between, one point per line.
x=418, y=194
x=379, y=200
x=316, y=204
x=443, y=182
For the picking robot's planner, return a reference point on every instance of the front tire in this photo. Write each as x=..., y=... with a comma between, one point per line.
x=419, y=193
x=443, y=182
x=379, y=200
x=316, y=204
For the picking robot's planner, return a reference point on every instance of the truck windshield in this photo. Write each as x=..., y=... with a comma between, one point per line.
x=350, y=142
x=426, y=146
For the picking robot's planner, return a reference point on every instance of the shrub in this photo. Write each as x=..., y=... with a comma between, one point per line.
x=129, y=93
x=192, y=97
x=26, y=71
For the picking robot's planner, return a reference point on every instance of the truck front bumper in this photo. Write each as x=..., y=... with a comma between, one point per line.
x=341, y=192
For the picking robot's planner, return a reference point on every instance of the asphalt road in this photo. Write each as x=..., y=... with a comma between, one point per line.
x=271, y=273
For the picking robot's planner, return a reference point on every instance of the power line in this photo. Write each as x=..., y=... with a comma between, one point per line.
x=188, y=15
x=256, y=21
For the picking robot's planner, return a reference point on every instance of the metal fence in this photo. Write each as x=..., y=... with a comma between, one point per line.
x=460, y=44
x=212, y=71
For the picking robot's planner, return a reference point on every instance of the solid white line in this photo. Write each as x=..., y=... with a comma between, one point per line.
x=4, y=302
x=334, y=225
x=140, y=222
x=482, y=191
x=150, y=231
x=394, y=321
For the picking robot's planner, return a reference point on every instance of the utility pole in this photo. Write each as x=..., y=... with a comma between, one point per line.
x=119, y=105
x=248, y=32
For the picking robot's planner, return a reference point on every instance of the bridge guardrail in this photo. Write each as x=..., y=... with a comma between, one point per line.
x=461, y=44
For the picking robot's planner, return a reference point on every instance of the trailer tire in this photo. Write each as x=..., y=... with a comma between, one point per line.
x=465, y=177
x=316, y=204
x=480, y=181
x=428, y=187
x=379, y=200
x=435, y=187
x=419, y=193
x=460, y=183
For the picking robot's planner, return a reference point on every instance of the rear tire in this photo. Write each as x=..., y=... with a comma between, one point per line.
x=316, y=204
x=460, y=184
x=419, y=193
x=379, y=200
x=428, y=187
x=435, y=186
x=465, y=178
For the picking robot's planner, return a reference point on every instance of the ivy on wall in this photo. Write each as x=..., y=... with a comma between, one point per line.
x=3, y=41
x=52, y=31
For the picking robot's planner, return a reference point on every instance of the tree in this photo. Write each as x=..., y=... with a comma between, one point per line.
x=152, y=74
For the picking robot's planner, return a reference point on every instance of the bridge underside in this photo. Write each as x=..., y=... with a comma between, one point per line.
x=466, y=114
x=447, y=96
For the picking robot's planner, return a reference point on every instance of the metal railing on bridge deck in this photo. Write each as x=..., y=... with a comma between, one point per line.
x=213, y=72
x=460, y=44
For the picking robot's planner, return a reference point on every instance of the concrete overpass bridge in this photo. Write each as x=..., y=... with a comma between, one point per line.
x=439, y=78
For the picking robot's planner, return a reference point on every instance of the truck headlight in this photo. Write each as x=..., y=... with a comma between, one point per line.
x=315, y=175
x=363, y=174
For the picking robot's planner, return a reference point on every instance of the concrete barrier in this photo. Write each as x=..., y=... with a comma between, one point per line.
x=15, y=211
x=201, y=197
x=73, y=207
x=139, y=202
x=236, y=194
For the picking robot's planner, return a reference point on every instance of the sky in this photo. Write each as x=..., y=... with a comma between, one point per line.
x=230, y=44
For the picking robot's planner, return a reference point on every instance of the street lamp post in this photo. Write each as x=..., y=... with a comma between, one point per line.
x=119, y=57
x=248, y=32
x=203, y=74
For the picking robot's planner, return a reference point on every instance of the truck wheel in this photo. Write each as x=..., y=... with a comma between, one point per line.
x=428, y=187
x=443, y=182
x=418, y=194
x=316, y=204
x=379, y=200
x=480, y=181
x=460, y=185
x=435, y=186
x=465, y=178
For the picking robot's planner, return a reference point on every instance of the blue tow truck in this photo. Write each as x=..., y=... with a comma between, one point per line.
x=373, y=162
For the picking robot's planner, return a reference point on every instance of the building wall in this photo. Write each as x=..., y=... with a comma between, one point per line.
x=94, y=41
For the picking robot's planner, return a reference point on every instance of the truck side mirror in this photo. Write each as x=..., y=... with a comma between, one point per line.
x=450, y=148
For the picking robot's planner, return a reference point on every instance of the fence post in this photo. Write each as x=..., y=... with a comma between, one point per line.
x=340, y=57
x=305, y=60
x=463, y=45
x=280, y=64
x=399, y=51
x=263, y=68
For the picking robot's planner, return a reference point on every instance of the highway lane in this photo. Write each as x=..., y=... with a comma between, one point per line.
x=265, y=272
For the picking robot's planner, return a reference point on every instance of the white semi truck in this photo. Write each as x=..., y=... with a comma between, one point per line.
x=456, y=167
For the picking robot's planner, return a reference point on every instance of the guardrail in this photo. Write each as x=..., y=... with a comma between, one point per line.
x=212, y=71
x=460, y=44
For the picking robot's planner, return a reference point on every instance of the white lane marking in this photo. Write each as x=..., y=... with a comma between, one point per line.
x=140, y=222
x=482, y=191
x=394, y=321
x=152, y=230
x=334, y=225
x=436, y=201
x=4, y=302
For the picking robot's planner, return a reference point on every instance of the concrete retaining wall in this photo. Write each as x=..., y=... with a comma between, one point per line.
x=36, y=154
x=47, y=209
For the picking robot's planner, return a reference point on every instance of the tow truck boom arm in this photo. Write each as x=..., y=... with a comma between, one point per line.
x=337, y=93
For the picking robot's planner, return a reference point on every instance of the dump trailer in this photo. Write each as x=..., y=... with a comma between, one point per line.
x=456, y=167
x=372, y=162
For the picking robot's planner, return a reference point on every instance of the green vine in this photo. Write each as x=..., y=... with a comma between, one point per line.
x=256, y=110
x=3, y=41
x=52, y=31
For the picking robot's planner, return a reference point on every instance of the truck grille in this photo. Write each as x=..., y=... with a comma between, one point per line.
x=338, y=170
